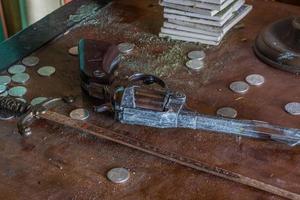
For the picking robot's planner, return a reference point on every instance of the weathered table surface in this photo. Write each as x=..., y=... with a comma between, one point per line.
x=60, y=163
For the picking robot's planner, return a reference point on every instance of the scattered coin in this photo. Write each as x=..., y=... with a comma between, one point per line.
x=197, y=55
x=80, y=114
x=195, y=64
x=20, y=78
x=6, y=115
x=4, y=94
x=239, y=87
x=38, y=100
x=46, y=71
x=126, y=48
x=21, y=99
x=5, y=80
x=293, y=108
x=31, y=61
x=17, y=91
x=17, y=69
x=255, y=79
x=118, y=175
x=74, y=51
x=227, y=112
x=3, y=88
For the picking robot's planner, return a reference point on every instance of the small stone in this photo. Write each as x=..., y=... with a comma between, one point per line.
x=239, y=87
x=227, y=112
x=195, y=65
x=197, y=55
x=20, y=78
x=3, y=88
x=17, y=69
x=17, y=91
x=5, y=80
x=126, y=48
x=38, y=100
x=255, y=79
x=74, y=51
x=293, y=108
x=46, y=71
x=118, y=175
x=80, y=114
x=31, y=61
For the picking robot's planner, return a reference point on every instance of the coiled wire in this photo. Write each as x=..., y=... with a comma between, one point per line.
x=13, y=105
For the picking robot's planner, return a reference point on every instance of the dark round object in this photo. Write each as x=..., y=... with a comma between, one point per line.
x=147, y=79
x=6, y=115
x=13, y=105
x=279, y=45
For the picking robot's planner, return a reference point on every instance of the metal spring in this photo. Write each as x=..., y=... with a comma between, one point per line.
x=13, y=105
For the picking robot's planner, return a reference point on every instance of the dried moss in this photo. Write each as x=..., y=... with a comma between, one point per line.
x=158, y=56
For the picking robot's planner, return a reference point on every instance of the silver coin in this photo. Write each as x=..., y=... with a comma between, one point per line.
x=31, y=61
x=4, y=94
x=17, y=91
x=118, y=175
x=21, y=99
x=227, y=112
x=6, y=115
x=293, y=108
x=17, y=69
x=239, y=87
x=3, y=88
x=80, y=114
x=74, y=51
x=5, y=80
x=197, y=55
x=126, y=48
x=255, y=79
x=20, y=78
x=38, y=100
x=46, y=71
x=195, y=64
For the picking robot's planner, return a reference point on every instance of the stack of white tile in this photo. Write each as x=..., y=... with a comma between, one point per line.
x=203, y=21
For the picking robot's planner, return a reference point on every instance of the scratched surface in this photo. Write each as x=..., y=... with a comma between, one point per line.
x=60, y=163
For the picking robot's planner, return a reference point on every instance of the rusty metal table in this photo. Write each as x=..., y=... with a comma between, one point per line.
x=59, y=163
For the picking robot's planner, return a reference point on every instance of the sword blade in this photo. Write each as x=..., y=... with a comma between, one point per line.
x=161, y=153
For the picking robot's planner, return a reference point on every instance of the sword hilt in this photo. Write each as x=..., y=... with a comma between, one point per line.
x=18, y=109
x=27, y=112
x=13, y=105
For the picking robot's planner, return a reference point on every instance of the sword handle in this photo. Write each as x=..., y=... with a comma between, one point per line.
x=13, y=105
x=28, y=113
x=18, y=108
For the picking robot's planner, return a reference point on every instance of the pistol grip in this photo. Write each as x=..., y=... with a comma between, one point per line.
x=98, y=61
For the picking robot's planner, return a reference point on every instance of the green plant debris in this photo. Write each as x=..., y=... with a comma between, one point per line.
x=154, y=55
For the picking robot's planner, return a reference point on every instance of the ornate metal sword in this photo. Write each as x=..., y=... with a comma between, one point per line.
x=28, y=113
